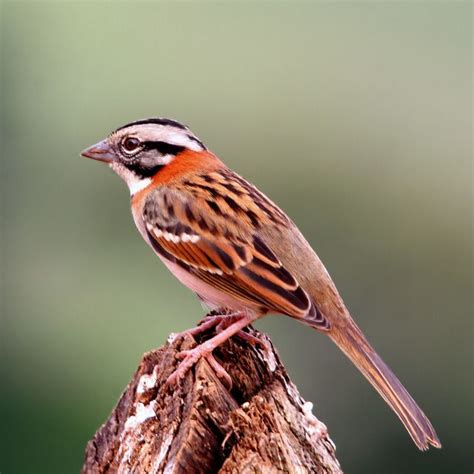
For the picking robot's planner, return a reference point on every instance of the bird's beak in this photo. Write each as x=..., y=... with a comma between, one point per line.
x=101, y=151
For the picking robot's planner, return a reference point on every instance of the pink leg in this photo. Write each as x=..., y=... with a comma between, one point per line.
x=245, y=336
x=227, y=321
x=205, y=349
x=210, y=321
x=207, y=323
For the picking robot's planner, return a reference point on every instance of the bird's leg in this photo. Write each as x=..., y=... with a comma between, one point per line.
x=220, y=321
x=227, y=320
x=213, y=319
x=190, y=357
x=207, y=323
x=245, y=336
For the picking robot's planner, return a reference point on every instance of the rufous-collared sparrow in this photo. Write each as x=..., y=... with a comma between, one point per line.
x=238, y=251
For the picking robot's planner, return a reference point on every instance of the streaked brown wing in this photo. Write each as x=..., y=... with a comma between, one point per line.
x=207, y=230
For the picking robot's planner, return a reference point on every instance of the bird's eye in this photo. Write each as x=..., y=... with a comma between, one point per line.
x=131, y=144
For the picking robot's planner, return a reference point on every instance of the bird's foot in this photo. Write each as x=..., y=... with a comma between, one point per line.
x=219, y=322
x=204, y=350
x=190, y=358
x=227, y=320
x=214, y=319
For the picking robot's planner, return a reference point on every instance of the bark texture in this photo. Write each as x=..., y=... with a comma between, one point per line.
x=260, y=425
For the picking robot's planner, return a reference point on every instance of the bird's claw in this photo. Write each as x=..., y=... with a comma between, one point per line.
x=227, y=326
x=251, y=339
x=189, y=358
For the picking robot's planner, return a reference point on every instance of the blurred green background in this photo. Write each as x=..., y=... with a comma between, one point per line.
x=354, y=117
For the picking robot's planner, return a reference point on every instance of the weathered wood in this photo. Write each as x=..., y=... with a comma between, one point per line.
x=261, y=425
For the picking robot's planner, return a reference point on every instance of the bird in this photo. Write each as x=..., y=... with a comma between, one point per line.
x=238, y=251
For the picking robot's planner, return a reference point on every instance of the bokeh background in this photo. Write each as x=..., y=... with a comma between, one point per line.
x=354, y=117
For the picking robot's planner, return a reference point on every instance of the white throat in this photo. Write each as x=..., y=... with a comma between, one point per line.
x=134, y=182
x=138, y=185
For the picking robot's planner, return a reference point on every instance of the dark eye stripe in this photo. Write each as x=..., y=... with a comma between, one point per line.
x=164, y=148
x=161, y=147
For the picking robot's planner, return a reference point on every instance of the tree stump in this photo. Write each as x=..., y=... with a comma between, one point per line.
x=260, y=425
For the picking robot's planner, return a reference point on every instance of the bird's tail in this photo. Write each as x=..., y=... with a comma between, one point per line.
x=353, y=343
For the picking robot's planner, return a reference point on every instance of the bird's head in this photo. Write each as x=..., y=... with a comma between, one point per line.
x=138, y=150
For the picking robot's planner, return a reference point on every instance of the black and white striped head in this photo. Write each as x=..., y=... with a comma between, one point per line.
x=138, y=150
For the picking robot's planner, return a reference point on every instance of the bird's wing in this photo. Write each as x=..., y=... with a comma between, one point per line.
x=210, y=227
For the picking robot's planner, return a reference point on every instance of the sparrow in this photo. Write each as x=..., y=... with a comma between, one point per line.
x=238, y=251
